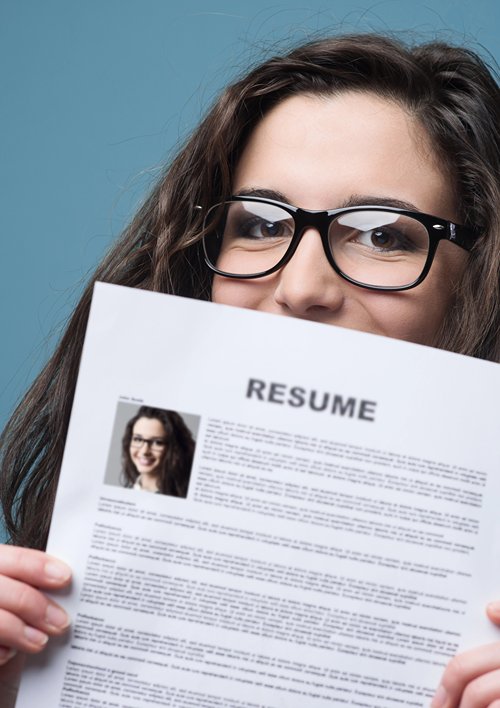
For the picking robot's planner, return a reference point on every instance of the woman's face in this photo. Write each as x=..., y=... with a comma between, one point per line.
x=321, y=153
x=147, y=445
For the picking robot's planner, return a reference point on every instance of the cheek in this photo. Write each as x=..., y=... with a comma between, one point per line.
x=410, y=322
x=240, y=293
x=437, y=293
x=413, y=315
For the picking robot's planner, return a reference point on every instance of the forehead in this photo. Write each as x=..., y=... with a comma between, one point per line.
x=321, y=150
x=149, y=427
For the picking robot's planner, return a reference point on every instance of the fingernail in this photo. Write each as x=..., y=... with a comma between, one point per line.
x=57, y=571
x=56, y=617
x=6, y=654
x=440, y=698
x=34, y=636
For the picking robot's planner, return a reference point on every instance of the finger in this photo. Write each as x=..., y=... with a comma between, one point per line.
x=33, y=567
x=462, y=670
x=493, y=612
x=16, y=634
x=30, y=606
x=482, y=691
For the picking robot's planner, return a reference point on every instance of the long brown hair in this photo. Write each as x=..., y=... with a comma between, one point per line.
x=449, y=90
x=175, y=468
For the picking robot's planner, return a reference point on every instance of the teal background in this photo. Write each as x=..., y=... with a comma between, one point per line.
x=97, y=94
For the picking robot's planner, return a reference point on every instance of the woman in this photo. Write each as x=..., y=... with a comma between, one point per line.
x=157, y=452
x=336, y=124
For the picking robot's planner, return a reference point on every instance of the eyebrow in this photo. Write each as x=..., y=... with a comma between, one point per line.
x=372, y=200
x=353, y=201
x=261, y=192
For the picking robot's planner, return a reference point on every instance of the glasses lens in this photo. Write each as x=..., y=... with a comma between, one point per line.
x=155, y=444
x=136, y=441
x=247, y=238
x=379, y=248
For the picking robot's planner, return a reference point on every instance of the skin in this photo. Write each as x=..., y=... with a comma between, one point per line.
x=146, y=460
x=317, y=153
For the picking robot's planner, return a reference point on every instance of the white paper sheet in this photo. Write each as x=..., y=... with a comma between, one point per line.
x=321, y=557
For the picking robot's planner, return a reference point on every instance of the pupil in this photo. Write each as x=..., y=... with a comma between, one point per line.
x=379, y=238
x=271, y=228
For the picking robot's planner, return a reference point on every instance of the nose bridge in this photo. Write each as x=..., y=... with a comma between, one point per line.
x=307, y=282
x=317, y=220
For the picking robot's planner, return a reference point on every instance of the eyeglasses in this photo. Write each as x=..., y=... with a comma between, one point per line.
x=155, y=444
x=376, y=247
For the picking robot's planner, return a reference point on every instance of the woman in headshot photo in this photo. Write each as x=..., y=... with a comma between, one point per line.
x=157, y=452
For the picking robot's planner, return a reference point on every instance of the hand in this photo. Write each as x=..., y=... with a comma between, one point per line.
x=27, y=616
x=472, y=679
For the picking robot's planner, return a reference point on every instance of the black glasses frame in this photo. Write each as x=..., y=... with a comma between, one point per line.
x=152, y=443
x=437, y=228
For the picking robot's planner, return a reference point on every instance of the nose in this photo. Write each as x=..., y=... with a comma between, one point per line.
x=308, y=286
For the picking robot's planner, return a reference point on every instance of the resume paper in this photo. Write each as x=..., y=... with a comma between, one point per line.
x=339, y=537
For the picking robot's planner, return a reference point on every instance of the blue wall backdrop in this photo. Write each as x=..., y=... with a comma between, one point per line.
x=95, y=96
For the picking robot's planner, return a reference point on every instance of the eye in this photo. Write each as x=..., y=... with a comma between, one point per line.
x=137, y=439
x=258, y=221
x=380, y=232
x=384, y=239
x=259, y=228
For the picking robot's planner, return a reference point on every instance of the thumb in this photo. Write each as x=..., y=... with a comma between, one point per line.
x=493, y=612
